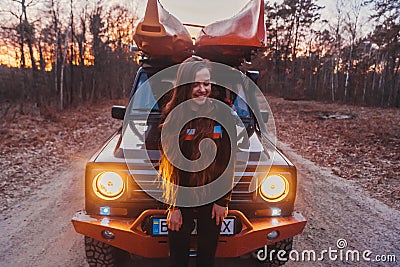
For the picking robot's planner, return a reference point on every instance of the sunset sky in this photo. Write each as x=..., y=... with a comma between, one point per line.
x=207, y=11
x=193, y=11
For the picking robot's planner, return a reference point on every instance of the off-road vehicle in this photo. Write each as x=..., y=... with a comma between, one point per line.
x=123, y=214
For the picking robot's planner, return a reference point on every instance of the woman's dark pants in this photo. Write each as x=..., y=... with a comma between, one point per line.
x=207, y=234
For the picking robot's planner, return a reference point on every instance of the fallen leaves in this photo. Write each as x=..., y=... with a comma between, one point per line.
x=358, y=143
x=34, y=147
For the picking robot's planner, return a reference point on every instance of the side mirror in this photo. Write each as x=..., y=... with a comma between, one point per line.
x=253, y=75
x=118, y=112
x=264, y=115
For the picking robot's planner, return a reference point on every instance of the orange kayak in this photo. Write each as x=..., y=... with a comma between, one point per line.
x=160, y=35
x=231, y=40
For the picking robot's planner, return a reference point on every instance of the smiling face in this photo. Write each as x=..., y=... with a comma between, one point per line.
x=201, y=88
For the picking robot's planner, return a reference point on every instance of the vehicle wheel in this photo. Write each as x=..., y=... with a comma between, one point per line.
x=102, y=254
x=272, y=259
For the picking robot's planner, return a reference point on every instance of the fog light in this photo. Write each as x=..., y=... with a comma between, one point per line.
x=273, y=235
x=108, y=234
x=276, y=212
x=105, y=210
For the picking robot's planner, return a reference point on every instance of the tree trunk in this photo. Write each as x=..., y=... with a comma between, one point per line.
x=62, y=71
x=33, y=63
x=392, y=86
x=23, y=64
x=381, y=87
x=56, y=63
x=296, y=33
x=374, y=75
x=71, y=93
x=333, y=80
x=396, y=96
x=93, y=85
x=349, y=65
x=366, y=75
x=42, y=63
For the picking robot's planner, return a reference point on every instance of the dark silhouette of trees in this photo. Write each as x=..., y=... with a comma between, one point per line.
x=387, y=36
x=336, y=62
x=61, y=55
x=66, y=54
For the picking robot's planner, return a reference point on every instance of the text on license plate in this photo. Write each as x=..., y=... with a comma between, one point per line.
x=159, y=226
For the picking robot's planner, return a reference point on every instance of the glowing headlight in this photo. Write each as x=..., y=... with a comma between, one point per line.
x=274, y=188
x=109, y=185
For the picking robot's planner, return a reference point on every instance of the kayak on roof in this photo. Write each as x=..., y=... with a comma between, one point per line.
x=161, y=35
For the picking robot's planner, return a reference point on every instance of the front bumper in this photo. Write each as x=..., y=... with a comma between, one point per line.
x=130, y=237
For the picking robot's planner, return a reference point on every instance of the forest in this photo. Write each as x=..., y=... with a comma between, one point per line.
x=56, y=54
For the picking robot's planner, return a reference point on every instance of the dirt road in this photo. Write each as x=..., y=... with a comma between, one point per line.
x=340, y=209
x=38, y=232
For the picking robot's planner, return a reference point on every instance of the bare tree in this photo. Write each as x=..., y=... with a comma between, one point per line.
x=25, y=30
x=53, y=8
x=80, y=37
x=62, y=69
x=351, y=26
x=340, y=5
x=71, y=91
x=96, y=28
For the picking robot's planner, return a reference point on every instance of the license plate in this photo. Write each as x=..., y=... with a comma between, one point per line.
x=160, y=227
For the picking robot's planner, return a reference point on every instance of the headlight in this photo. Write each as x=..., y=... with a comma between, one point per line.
x=108, y=185
x=274, y=188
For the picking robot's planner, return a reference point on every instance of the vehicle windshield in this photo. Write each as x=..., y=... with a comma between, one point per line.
x=148, y=90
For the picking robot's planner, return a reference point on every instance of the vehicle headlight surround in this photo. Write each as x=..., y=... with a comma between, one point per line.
x=108, y=185
x=274, y=188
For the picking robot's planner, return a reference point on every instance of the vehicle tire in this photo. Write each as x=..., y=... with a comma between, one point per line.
x=285, y=245
x=102, y=254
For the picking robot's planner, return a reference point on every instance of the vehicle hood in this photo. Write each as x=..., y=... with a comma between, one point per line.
x=138, y=144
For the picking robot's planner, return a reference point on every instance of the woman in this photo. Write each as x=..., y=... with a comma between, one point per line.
x=200, y=121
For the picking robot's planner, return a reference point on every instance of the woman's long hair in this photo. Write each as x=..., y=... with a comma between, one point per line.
x=182, y=92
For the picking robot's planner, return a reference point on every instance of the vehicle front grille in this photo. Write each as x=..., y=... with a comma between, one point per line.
x=146, y=185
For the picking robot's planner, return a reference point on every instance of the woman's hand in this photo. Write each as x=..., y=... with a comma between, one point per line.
x=219, y=213
x=174, y=219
